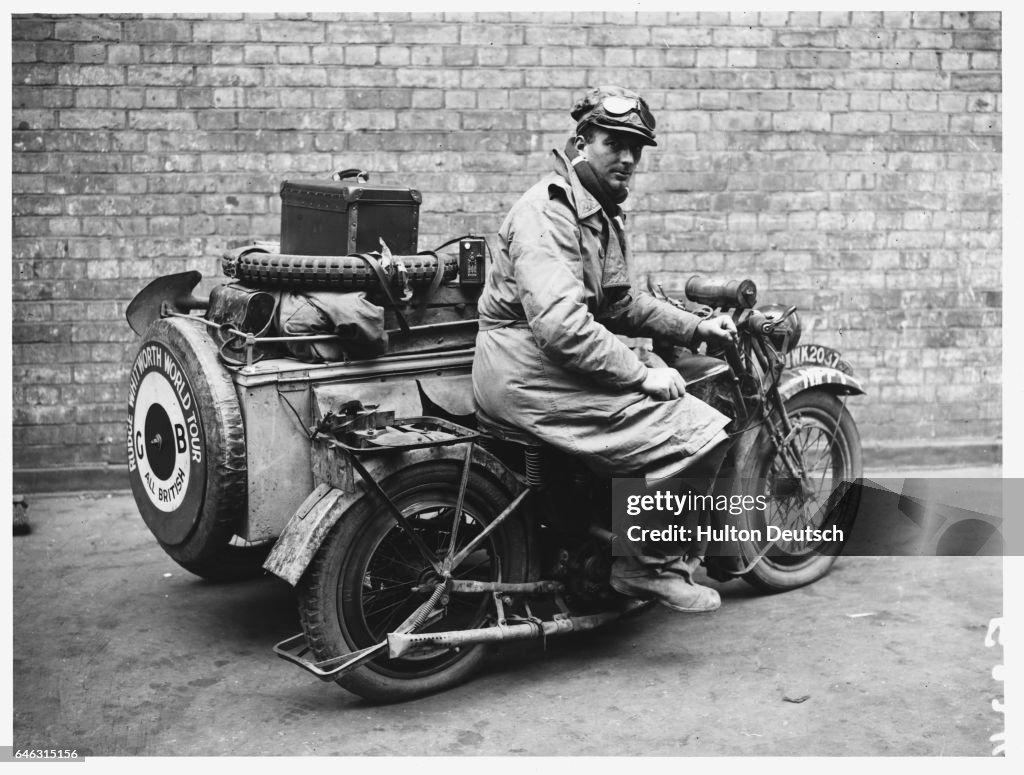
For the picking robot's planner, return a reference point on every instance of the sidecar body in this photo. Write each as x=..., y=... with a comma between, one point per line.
x=222, y=453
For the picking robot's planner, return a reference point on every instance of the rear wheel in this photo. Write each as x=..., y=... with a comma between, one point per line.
x=826, y=444
x=368, y=577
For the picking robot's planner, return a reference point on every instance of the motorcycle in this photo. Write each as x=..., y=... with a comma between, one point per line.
x=458, y=538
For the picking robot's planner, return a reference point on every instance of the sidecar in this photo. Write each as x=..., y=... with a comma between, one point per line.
x=220, y=449
x=227, y=392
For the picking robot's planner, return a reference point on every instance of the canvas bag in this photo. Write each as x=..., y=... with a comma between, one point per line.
x=357, y=322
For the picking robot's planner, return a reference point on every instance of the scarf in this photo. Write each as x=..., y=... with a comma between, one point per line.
x=608, y=199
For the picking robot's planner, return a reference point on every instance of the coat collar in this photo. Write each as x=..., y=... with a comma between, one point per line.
x=582, y=201
x=567, y=181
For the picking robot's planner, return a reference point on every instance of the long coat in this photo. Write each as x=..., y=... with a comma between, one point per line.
x=548, y=360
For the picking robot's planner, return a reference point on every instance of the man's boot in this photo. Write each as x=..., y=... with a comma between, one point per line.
x=668, y=581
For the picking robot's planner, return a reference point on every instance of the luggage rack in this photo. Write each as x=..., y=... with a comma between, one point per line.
x=402, y=434
x=359, y=431
x=363, y=431
x=246, y=344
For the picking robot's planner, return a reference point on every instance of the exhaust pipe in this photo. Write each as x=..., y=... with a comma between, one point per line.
x=400, y=644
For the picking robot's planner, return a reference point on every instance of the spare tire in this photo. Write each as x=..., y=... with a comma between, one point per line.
x=257, y=267
x=186, y=451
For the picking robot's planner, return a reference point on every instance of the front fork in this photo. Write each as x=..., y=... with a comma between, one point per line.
x=771, y=406
x=783, y=434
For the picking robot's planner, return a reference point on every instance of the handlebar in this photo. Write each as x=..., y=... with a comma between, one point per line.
x=739, y=294
x=756, y=322
x=740, y=297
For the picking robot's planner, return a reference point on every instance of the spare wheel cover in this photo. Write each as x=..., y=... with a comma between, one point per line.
x=183, y=418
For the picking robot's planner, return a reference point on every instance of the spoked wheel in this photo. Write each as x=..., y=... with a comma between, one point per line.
x=825, y=445
x=369, y=576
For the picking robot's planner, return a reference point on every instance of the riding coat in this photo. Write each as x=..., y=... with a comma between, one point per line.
x=548, y=360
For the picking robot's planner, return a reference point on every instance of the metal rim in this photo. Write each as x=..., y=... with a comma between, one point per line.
x=396, y=580
x=822, y=447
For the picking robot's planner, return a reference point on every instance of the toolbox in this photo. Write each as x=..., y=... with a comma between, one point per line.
x=345, y=215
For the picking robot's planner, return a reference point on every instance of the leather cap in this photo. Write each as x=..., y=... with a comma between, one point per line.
x=615, y=109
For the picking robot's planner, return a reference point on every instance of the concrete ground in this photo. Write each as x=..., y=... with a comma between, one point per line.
x=117, y=651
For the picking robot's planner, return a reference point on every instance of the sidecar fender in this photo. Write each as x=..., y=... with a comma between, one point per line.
x=800, y=378
x=306, y=530
x=322, y=508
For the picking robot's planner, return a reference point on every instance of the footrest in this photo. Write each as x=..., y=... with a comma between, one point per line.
x=296, y=650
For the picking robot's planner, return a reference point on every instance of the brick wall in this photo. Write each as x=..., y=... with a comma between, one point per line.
x=847, y=162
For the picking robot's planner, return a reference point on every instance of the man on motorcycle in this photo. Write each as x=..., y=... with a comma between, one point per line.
x=548, y=360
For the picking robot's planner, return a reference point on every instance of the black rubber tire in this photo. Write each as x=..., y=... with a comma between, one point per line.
x=330, y=272
x=817, y=413
x=186, y=452
x=333, y=597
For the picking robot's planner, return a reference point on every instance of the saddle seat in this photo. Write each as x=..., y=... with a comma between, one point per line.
x=502, y=431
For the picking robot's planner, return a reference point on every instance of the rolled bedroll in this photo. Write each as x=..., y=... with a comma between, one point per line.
x=261, y=265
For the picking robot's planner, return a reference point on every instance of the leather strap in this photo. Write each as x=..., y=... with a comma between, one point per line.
x=435, y=282
x=360, y=175
x=382, y=279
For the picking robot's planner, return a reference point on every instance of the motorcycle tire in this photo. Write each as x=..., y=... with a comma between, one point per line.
x=817, y=416
x=357, y=588
x=186, y=452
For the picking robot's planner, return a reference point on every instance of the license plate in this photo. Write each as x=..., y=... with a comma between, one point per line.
x=818, y=355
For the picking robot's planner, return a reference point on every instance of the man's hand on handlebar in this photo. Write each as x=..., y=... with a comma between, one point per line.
x=663, y=384
x=717, y=330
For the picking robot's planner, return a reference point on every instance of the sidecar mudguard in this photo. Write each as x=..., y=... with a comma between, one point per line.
x=797, y=379
x=322, y=508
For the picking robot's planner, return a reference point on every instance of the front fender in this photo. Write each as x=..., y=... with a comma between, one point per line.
x=794, y=380
x=322, y=508
x=797, y=379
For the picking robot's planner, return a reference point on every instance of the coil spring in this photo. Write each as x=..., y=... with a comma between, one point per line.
x=427, y=608
x=534, y=467
x=488, y=443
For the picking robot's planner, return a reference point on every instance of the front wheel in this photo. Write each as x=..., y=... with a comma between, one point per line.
x=825, y=443
x=368, y=577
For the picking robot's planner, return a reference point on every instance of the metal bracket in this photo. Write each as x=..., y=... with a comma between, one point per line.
x=296, y=649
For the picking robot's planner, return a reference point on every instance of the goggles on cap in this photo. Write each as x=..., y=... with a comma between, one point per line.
x=618, y=107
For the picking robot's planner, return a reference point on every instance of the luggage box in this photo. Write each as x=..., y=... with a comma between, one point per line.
x=342, y=217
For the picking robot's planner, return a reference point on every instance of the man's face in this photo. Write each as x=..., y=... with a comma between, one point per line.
x=613, y=156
